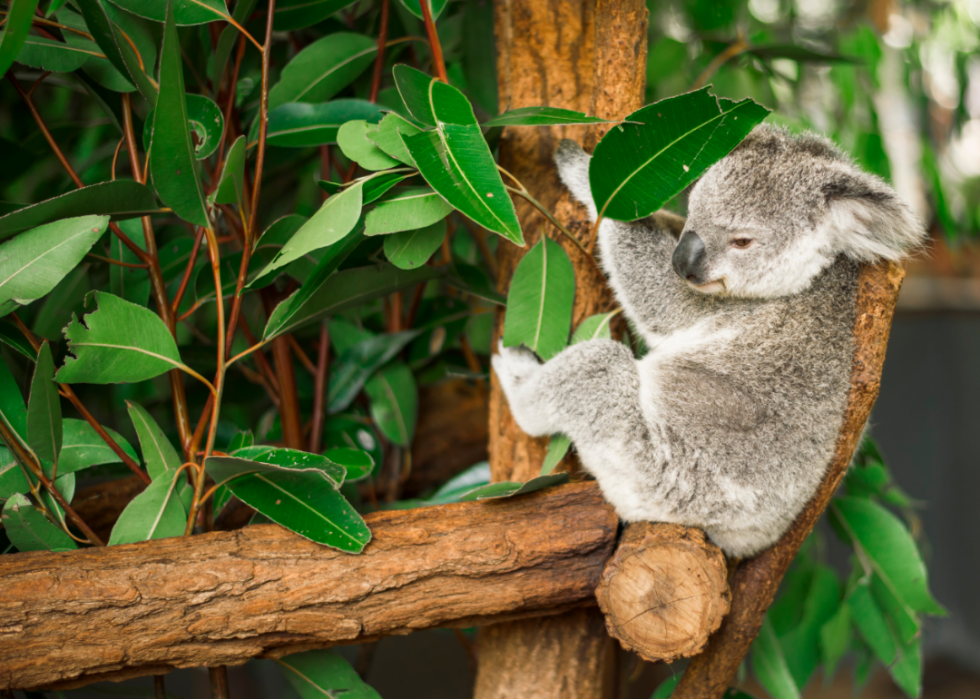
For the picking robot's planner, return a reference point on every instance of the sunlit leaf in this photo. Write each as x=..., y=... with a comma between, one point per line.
x=412, y=249
x=299, y=14
x=15, y=31
x=156, y=513
x=299, y=124
x=29, y=530
x=394, y=400
x=185, y=11
x=353, y=141
x=542, y=116
x=769, y=664
x=907, y=670
x=509, y=489
x=44, y=429
x=406, y=209
x=120, y=342
x=172, y=157
x=539, y=303
x=323, y=69
x=316, y=674
x=388, y=137
x=558, y=446
x=871, y=623
x=594, y=327
x=159, y=454
x=638, y=167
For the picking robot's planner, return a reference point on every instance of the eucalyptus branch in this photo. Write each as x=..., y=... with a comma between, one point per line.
x=738, y=47
x=263, y=122
x=379, y=60
x=118, y=263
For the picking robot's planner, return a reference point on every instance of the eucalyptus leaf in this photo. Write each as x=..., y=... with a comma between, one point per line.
x=357, y=463
x=159, y=454
x=204, y=118
x=120, y=342
x=509, y=489
x=300, y=125
x=29, y=530
x=435, y=7
x=542, y=116
x=44, y=427
x=11, y=336
x=835, y=639
x=388, y=137
x=12, y=478
x=156, y=513
x=120, y=199
x=412, y=249
x=907, y=670
x=54, y=56
x=129, y=283
x=394, y=400
x=355, y=365
x=232, y=178
x=185, y=12
x=13, y=412
x=316, y=674
x=353, y=141
x=409, y=208
x=82, y=447
x=595, y=327
x=299, y=14
x=376, y=185
x=323, y=69
x=20, y=14
x=769, y=664
x=473, y=280
x=539, y=303
x=871, y=623
x=558, y=446
x=639, y=166
x=267, y=459
x=172, y=156
x=226, y=42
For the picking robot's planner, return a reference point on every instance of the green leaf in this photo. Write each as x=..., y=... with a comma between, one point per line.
x=129, y=283
x=55, y=56
x=15, y=31
x=29, y=530
x=262, y=458
x=435, y=7
x=120, y=342
x=473, y=280
x=11, y=336
x=594, y=327
x=353, y=141
x=557, y=448
x=185, y=12
x=12, y=478
x=412, y=249
x=509, y=489
x=801, y=645
x=100, y=26
x=66, y=298
x=800, y=54
x=889, y=548
x=156, y=513
x=394, y=402
x=321, y=673
x=204, y=118
x=542, y=116
x=12, y=409
x=407, y=209
x=323, y=69
x=44, y=429
x=232, y=178
x=454, y=158
x=33, y=263
x=64, y=485
x=871, y=623
x=172, y=157
x=340, y=291
x=299, y=124
x=769, y=664
x=227, y=40
x=638, y=167
x=539, y=303
x=355, y=365
x=269, y=245
x=299, y=14
x=904, y=621
x=835, y=639
x=907, y=670
x=376, y=185
x=83, y=447
x=159, y=454
x=388, y=137
x=120, y=199
x=356, y=462
x=334, y=221
x=666, y=688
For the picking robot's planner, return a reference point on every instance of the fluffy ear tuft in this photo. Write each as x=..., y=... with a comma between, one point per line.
x=573, y=168
x=868, y=220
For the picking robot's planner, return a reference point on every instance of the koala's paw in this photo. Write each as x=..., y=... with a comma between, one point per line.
x=514, y=366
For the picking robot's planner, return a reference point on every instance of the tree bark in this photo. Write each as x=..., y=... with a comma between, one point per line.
x=756, y=581
x=68, y=619
x=587, y=55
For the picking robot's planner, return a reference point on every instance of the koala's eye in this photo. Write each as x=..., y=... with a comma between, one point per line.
x=741, y=243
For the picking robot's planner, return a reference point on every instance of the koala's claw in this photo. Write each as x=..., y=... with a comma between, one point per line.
x=514, y=365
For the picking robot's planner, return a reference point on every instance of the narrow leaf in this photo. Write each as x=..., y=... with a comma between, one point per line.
x=82, y=447
x=323, y=69
x=357, y=463
x=412, y=249
x=159, y=454
x=394, y=402
x=185, y=12
x=29, y=530
x=12, y=478
x=509, y=489
x=542, y=116
x=557, y=448
x=835, y=639
x=266, y=459
x=44, y=429
x=156, y=513
x=406, y=209
x=871, y=623
x=299, y=125
x=15, y=31
x=226, y=42
x=12, y=409
x=204, y=118
x=769, y=664
x=907, y=670
x=299, y=14
x=316, y=674
x=232, y=179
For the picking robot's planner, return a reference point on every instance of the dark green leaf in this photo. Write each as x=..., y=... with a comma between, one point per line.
x=542, y=116
x=44, y=430
x=666, y=688
x=353, y=141
x=406, y=209
x=339, y=291
x=159, y=454
x=412, y=249
x=345, y=431
x=323, y=69
x=120, y=199
x=454, y=158
x=120, y=342
x=769, y=664
x=799, y=53
x=638, y=167
x=204, y=118
x=185, y=11
x=129, y=283
x=508, y=489
x=356, y=364
x=435, y=7
x=12, y=409
x=156, y=513
x=265, y=459
x=103, y=70
x=357, y=462
x=299, y=14
x=479, y=55
x=593, y=328
x=801, y=645
x=33, y=263
x=871, y=623
x=226, y=42
x=232, y=179
x=12, y=478
x=29, y=530
x=11, y=336
x=539, y=303
x=299, y=124
x=394, y=402
x=473, y=280
x=66, y=298
x=83, y=447
x=376, y=185
x=15, y=31
x=388, y=137
x=172, y=157
x=557, y=448
x=100, y=27
x=317, y=674
x=55, y=56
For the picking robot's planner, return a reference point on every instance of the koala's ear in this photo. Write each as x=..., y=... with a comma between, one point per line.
x=573, y=168
x=868, y=220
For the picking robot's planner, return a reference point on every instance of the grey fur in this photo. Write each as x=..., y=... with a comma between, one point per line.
x=730, y=421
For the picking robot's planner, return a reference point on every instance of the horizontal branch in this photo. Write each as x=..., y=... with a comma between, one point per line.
x=68, y=619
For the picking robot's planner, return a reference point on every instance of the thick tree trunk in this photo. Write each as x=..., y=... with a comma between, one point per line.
x=68, y=619
x=587, y=55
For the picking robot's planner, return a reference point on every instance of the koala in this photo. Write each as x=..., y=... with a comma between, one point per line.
x=730, y=421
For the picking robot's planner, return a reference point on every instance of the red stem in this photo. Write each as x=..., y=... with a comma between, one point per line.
x=320, y=387
x=438, y=64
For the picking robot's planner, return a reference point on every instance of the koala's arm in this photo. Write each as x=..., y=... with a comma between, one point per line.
x=636, y=256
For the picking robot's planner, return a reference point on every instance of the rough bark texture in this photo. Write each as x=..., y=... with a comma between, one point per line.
x=587, y=55
x=755, y=582
x=664, y=591
x=67, y=619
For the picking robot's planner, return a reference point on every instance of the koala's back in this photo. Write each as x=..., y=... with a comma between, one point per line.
x=749, y=402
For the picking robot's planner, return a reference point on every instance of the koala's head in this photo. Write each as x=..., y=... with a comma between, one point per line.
x=774, y=213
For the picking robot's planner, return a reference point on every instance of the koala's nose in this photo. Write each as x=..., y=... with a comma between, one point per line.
x=688, y=258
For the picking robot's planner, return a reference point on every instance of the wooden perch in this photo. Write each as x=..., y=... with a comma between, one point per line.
x=68, y=619
x=665, y=591
x=756, y=581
